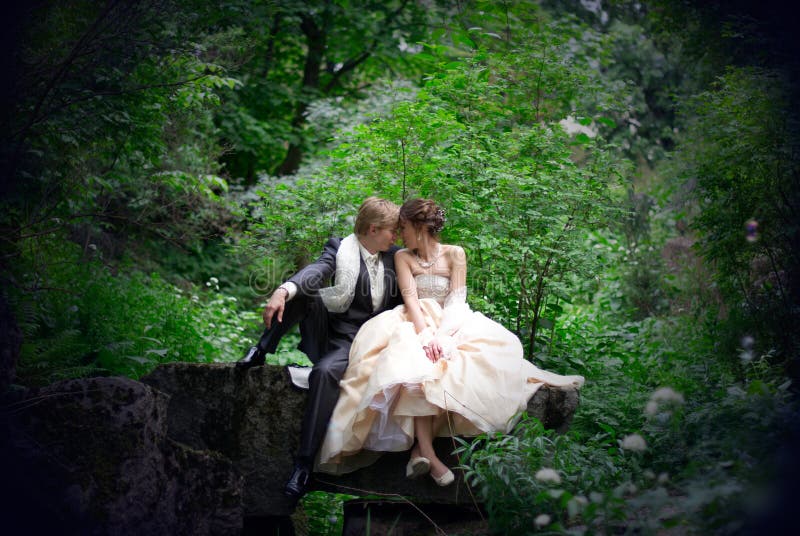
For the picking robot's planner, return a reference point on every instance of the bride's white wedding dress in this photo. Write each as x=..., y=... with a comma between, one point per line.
x=482, y=384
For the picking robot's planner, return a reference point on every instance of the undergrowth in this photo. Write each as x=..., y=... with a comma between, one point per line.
x=668, y=434
x=82, y=317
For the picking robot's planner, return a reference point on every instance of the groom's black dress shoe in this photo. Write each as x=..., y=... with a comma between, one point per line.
x=298, y=482
x=255, y=357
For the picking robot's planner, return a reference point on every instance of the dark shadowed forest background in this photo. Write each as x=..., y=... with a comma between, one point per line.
x=623, y=176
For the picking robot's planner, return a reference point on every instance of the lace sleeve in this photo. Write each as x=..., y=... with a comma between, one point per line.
x=455, y=296
x=455, y=311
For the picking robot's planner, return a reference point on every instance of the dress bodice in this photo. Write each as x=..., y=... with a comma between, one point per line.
x=432, y=286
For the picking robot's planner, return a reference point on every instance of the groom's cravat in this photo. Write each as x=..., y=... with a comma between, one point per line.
x=375, y=270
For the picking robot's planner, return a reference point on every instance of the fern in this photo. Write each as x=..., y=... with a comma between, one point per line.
x=47, y=359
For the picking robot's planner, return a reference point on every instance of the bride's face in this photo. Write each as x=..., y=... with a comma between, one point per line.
x=408, y=234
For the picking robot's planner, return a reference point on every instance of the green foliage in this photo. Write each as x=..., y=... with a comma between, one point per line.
x=119, y=107
x=136, y=129
x=292, y=55
x=531, y=472
x=736, y=155
x=80, y=319
x=324, y=512
x=708, y=423
x=110, y=144
x=483, y=139
x=738, y=151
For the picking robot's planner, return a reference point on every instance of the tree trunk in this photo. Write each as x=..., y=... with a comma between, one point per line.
x=537, y=304
x=315, y=39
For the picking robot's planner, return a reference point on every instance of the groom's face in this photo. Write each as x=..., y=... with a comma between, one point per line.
x=379, y=238
x=385, y=237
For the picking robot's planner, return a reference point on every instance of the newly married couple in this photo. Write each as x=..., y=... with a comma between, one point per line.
x=399, y=357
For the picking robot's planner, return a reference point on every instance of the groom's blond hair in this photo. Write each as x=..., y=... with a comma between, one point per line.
x=378, y=212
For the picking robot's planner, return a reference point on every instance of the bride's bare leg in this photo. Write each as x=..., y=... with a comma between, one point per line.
x=439, y=421
x=423, y=429
x=415, y=450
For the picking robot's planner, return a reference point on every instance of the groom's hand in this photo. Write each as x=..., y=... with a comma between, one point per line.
x=276, y=304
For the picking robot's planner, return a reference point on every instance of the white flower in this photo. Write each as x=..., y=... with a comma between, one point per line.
x=663, y=478
x=580, y=499
x=666, y=394
x=736, y=391
x=634, y=442
x=596, y=497
x=542, y=520
x=545, y=474
x=649, y=474
x=573, y=507
x=662, y=395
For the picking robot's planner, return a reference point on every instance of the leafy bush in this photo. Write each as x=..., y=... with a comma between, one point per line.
x=533, y=479
x=736, y=158
x=323, y=513
x=82, y=319
x=668, y=431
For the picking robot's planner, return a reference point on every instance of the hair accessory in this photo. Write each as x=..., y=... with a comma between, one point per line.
x=438, y=220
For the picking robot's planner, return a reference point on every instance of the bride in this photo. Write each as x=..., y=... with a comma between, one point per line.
x=431, y=367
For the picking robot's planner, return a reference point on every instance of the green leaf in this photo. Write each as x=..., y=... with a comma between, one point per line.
x=607, y=122
x=426, y=57
x=462, y=38
x=582, y=137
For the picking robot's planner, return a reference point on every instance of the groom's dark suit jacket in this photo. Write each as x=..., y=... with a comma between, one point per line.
x=341, y=327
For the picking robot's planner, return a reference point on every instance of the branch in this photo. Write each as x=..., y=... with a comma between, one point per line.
x=269, y=56
x=66, y=64
x=67, y=104
x=777, y=273
x=354, y=62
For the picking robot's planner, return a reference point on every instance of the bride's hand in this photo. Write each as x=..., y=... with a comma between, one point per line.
x=433, y=350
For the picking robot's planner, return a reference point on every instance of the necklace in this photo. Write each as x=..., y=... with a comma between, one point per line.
x=428, y=264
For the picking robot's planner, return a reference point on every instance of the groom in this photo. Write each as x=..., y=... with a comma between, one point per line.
x=365, y=284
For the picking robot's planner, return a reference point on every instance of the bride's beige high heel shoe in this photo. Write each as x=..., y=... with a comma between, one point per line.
x=417, y=466
x=445, y=480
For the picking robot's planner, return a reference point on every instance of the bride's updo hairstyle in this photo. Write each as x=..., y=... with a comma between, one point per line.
x=423, y=213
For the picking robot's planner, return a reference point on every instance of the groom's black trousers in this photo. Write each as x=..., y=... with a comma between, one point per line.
x=323, y=393
x=329, y=351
